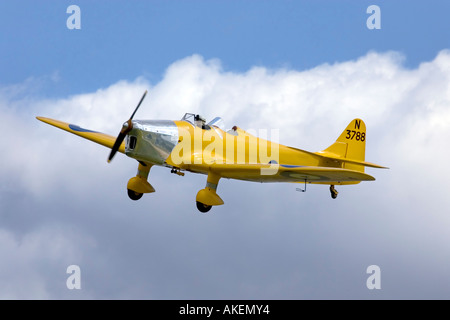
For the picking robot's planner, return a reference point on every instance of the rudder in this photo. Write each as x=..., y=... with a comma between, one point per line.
x=350, y=145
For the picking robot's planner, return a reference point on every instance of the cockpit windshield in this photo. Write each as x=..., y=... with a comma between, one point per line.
x=198, y=121
x=195, y=119
x=189, y=117
x=217, y=122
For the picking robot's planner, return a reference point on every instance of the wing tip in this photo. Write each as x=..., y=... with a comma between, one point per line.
x=44, y=119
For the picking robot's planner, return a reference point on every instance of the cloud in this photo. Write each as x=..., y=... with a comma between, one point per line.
x=33, y=265
x=267, y=241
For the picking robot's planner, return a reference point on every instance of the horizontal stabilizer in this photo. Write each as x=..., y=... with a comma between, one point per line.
x=333, y=157
x=345, y=160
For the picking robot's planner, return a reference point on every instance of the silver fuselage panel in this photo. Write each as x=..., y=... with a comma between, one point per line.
x=151, y=140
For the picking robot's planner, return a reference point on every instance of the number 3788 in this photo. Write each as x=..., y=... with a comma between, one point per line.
x=352, y=134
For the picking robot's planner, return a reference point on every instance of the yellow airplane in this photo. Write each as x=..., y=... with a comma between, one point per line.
x=193, y=145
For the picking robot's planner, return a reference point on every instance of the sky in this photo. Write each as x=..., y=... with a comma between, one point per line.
x=306, y=68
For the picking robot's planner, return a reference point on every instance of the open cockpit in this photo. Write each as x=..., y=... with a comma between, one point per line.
x=199, y=121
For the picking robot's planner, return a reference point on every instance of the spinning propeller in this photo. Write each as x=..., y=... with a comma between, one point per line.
x=126, y=127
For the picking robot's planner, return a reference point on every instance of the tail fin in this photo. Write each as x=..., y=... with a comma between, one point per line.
x=351, y=145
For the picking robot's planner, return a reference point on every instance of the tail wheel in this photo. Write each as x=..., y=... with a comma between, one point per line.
x=203, y=207
x=134, y=195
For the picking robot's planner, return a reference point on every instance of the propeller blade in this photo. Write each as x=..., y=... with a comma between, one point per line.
x=116, y=145
x=127, y=127
x=139, y=104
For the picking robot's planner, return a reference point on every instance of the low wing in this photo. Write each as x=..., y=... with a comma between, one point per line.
x=285, y=173
x=98, y=137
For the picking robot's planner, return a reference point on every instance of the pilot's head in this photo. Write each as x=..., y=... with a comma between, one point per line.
x=199, y=120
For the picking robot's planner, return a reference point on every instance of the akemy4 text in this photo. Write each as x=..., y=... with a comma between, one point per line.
x=232, y=309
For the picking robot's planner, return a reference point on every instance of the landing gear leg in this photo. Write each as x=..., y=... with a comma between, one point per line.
x=206, y=198
x=139, y=185
x=333, y=191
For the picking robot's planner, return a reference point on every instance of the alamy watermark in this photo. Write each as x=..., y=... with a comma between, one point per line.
x=374, y=20
x=74, y=280
x=374, y=280
x=74, y=20
x=251, y=147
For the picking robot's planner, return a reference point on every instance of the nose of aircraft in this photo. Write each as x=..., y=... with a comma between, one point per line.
x=126, y=127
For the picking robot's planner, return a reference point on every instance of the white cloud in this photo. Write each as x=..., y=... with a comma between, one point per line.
x=33, y=266
x=407, y=113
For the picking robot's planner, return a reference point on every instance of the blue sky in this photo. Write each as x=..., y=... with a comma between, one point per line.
x=124, y=40
x=306, y=68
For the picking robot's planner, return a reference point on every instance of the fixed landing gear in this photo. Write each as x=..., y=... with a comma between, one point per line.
x=333, y=191
x=134, y=195
x=139, y=185
x=206, y=198
x=203, y=207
